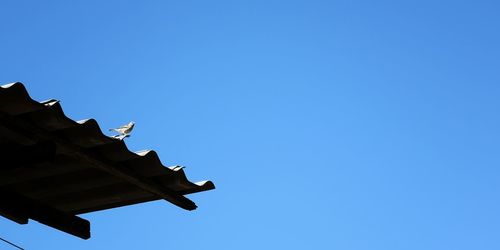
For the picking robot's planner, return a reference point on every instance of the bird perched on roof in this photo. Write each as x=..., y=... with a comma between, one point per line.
x=123, y=130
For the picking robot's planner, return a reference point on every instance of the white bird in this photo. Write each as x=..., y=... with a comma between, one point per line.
x=124, y=130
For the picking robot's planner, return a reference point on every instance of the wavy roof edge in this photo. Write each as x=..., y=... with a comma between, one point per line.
x=18, y=91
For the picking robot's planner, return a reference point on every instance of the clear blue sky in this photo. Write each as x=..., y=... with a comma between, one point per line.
x=324, y=124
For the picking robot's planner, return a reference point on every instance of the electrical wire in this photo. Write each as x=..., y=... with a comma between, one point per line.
x=10, y=243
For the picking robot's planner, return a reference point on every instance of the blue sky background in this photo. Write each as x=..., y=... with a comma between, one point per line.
x=324, y=124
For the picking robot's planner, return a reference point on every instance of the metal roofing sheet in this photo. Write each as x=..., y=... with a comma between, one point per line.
x=88, y=171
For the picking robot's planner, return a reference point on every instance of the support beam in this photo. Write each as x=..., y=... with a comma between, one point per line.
x=19, y=208
x=12, y=212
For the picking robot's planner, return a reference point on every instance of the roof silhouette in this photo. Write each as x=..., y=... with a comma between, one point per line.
x=54, y=168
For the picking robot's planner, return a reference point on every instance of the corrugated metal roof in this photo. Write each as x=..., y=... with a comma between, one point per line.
x=72, y=166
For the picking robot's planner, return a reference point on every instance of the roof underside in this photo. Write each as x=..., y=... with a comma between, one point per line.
x=72, y=167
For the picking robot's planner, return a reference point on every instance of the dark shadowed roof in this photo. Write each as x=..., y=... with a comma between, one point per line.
x=53, y=168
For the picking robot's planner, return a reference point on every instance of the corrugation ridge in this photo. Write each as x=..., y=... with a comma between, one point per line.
x=199, y=187
x=143, y=152
x=8, y=85
x=182, y=177
x=10, y=102
x=147, y=158
x=205, y=183
x=115, y=151
x=87, y=134
x=51, y=118
x=184, y=186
